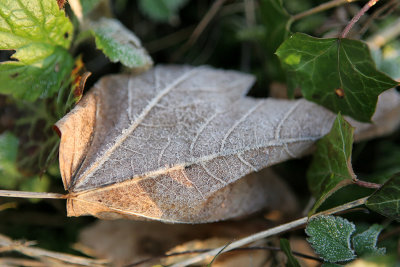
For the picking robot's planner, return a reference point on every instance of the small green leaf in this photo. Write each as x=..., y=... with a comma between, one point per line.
x=291, y=260
x=386, y=200
x=41, y=34
x=330, y=237
x=365, y=243
x=331, y=167
x=336, y=73
x=120, y=44
x=161, y=10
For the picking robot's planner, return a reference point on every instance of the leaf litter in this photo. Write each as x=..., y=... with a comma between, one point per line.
x=171, y=144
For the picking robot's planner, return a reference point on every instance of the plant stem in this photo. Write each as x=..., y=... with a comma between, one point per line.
x=25, y=194
x=320, y=8
x=366, y=184
x=267, y=233
x=357, y=17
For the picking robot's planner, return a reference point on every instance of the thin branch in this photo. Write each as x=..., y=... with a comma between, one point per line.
x=244, y=241
x=233, y=250
x=320, y=8
x=23, y=247
x=25, y=194
x=357, y=17
x=267, y=233
x=387, y=7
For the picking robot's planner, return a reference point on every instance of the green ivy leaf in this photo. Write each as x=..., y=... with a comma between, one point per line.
x=291, y=260
x=161, y=10
x=386, y=200
x=365, y=243
x=331, y=168
x=330, y=237
x=41, y=34
x=336, y=73
x=120, y=44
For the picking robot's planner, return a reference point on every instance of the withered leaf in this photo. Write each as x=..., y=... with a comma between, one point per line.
x=172, y=143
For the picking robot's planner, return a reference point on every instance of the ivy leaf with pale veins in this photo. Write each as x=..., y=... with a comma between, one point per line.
x=386, y=200
x=177, y=143
x=337, y=73
x=41, y=34
x=330, y=237
x=331, y=167
x=120, y=44
x=365, y=243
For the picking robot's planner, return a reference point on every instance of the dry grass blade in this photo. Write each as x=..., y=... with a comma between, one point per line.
x=26, y=249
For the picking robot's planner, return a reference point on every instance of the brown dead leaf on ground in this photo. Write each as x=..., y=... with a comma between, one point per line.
x=171, y=144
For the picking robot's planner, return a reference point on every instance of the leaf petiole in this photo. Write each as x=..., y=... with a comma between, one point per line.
x=26, y=194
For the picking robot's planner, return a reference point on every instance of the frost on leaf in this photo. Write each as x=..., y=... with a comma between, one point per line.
x=172, y=144
x=120, y=44
x=365, y=242
x=330, y=237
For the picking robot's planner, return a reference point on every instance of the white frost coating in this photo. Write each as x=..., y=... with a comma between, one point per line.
x=173, y=142
x=138, y=120
x=120, y=44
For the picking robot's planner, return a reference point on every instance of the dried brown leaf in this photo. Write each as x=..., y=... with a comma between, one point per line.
x=170, y=144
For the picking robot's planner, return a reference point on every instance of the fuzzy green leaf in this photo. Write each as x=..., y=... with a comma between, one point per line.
x=386, y=200
x=331, y=167
x=330, y=237
x=161, y=10
x=291, y=260
x=41, y=34
x=120, y=44
x=365, y=243
x=336, y=73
